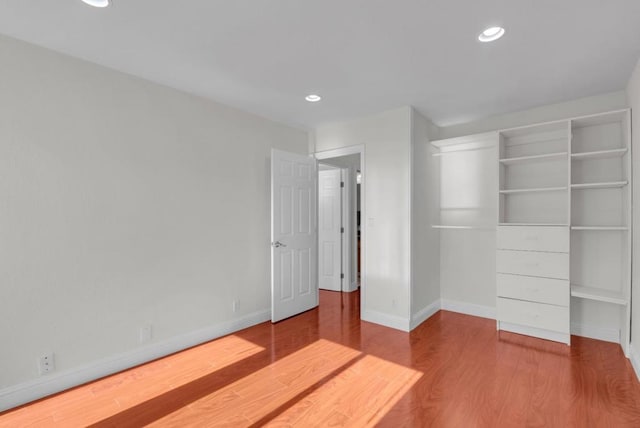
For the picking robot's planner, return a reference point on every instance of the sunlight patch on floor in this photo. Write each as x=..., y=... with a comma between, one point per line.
x=364, y=393
x=305, y=389
x=266, y=390
x=114, y=394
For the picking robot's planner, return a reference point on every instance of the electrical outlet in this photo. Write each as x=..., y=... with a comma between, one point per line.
x=236, y=305
x=46, y=363
x=145, y=334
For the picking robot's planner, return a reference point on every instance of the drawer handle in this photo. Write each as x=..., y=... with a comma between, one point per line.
x=533, y=315
x=532, y=264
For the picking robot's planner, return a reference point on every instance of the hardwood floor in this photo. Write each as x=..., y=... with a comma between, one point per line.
x=326, y=368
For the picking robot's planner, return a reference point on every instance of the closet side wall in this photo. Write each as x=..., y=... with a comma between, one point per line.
x=425, y=239
x=633, y=91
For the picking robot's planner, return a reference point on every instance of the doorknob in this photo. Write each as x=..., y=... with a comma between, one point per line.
x=278, y=244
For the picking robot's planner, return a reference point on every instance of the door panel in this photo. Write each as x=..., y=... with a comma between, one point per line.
x=294, y=287
x=329, y=235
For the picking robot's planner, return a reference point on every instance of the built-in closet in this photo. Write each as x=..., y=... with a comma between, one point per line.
x=548, y=208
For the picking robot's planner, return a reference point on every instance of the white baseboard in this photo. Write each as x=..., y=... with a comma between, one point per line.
x=26, y=392
x=424, y=314
x=392, y=321
x=353, y=286
x=634, y=357
x=468, y=308
x=598, y=333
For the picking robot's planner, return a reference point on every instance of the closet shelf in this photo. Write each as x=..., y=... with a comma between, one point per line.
x=465, y=227
x=535, y=224
x=622, y=228
x=453, y=152
x=536, y=158
x=598, y=294
x=603, y=185
x=601, y=154
x=533, y=190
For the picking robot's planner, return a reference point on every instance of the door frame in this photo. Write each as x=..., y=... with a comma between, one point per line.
x=345, y=151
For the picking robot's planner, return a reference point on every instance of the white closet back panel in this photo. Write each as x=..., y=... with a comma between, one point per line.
x=542, y=207
x=468, y=200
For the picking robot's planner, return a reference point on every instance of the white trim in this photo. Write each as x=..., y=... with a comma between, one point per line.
x=352, y=287
x=534, y=332
x=598, y=333
x=387, y=320
x=634, y=357
x=424, y=314
x=345, y=219
x=465, y=139
x=468, y=308
x=343, y=151
x=31, y=390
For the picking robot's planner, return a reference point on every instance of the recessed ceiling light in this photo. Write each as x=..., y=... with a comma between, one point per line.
x=97, y=3
x=491, y=34
x=313, y=98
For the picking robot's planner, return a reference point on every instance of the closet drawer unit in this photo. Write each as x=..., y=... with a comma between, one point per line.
x=533, y=263
x=538, y=315
x=541, y=290
x=533, y=238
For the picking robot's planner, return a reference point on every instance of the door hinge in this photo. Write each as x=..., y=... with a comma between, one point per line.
x=341, y=276
x=342, y=230
x=342, y=184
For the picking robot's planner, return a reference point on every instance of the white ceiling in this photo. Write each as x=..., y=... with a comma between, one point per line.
x=362, y=56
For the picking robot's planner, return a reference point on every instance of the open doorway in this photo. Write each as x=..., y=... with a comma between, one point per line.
x=339, y=229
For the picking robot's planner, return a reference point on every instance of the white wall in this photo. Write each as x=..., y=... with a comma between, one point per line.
x=633, y=91
x=387, y=187
x=124, y=203
x=425, y=292
x=547, y=113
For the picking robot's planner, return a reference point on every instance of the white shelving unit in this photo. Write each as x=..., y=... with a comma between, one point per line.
x=562, y=201
x=566, y=181
x=532, y=259
x=600, y=221
x=533, y=175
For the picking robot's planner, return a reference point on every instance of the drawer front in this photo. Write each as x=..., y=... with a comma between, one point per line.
x=532, y=263
x=542, y=290
x=533, y=238
x=538, y=315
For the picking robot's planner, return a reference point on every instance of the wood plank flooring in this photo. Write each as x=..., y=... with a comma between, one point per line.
x=326, y=368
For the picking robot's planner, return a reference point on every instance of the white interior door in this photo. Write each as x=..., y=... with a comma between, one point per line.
x=294, y=286
x=329, y=229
